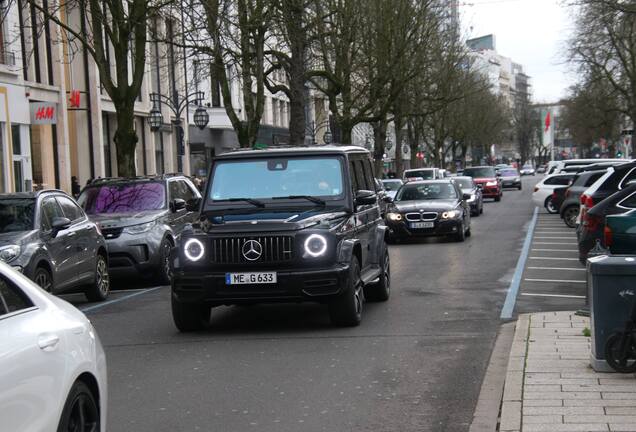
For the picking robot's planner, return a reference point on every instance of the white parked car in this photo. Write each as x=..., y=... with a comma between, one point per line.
x=542, y=195
x=52, y=364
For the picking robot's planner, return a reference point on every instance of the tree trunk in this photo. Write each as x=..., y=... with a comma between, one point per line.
x=297, y=100
x=379, y=137
x=345, y=133
x=125, y=139
x=399, y=141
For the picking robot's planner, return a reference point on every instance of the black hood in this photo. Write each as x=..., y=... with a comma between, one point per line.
x=120, y=220
x=426, y=205
x=270, y=220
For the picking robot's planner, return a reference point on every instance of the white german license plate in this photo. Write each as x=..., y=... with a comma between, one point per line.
x=250, y=278
x=417, y=225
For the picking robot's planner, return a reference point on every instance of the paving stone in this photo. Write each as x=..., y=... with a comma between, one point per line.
x=541, y=387
x=560, y=410
x=622, y=427
x=516, y=364
x=510, y=416
x=548, y=419
x=621, y=410
x=602, y=388
x=513, y=386
x=611, y=395
x=619, y=379
x=562, y=395
x=565, y=427
x=601, y=419
x=600, y=402
x=543, y=403
x=561, y=381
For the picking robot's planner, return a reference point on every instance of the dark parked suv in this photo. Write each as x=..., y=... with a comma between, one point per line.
x=284, y=225
x=141, y=218
x=46, y=236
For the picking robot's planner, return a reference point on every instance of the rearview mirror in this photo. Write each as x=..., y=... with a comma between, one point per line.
x=59, y=224
x=177, y=204
x=466, y=196
x=365, y=197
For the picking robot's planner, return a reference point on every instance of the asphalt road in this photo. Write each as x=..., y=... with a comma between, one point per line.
x=414, y=364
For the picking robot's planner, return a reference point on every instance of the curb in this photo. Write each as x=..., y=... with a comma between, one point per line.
x=511, y=406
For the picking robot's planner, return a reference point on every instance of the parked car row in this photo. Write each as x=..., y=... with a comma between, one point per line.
x=598, y=199
x=117, y=227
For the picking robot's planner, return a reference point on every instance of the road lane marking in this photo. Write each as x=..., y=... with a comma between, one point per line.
x=556, y=280
x=557, y=268
x=556, y=243
x=117, y=300
x=554, y=258
x=513, y=289
x=554, y=237
x=552, y=295
x=552, y=250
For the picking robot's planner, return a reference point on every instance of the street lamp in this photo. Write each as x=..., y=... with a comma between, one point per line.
x=327, y=137
x=177, y=106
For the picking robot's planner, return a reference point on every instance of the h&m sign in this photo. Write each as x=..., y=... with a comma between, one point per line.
x=43, y=113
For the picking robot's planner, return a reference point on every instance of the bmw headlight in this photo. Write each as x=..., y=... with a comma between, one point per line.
x=316, y=245
x=491, y=183
x=395, y=217
x=450, y=214
x=139, y=229
x=9, y=253
x=193, y=249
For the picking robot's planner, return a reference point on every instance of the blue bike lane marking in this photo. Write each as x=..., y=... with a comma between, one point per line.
x=117, y=300
x=513, y=289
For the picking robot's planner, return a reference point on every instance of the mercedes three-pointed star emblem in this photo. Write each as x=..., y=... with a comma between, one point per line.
x=252, y=250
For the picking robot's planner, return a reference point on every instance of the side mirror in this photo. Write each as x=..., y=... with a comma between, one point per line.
x=177, y=204
x=498, y=174
x=366, y=197
x=466, y=196
x=59, y=224
x=480, y=186
x=387, y=199
x=193, y=204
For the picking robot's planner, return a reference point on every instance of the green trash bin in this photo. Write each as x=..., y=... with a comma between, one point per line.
x=607, y=277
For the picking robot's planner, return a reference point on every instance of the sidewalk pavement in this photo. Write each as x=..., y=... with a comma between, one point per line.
x=551, y=387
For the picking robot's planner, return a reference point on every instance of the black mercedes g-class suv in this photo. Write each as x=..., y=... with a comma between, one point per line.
x=284, y=225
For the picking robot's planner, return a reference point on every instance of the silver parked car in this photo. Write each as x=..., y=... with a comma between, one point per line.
x=48, y=237
x=141, y=218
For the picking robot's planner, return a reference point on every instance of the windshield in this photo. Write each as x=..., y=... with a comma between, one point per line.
x=426, y=191
x=278, y=177
x=424, y=174
x=480, y=172
x=16, y=214
x=123, y=198
x=509, y=173
x=392, y=185
x=465, y=183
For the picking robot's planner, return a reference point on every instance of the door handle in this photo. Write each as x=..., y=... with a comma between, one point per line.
x=48, y=342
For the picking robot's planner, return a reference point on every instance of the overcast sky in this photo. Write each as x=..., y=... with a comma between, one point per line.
x=531, y=32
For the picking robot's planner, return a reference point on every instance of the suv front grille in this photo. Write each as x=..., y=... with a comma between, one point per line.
x=111, y=233
x=229, y=250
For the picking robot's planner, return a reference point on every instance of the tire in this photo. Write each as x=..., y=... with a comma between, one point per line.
x=549, y=206
x=468, y=232
x=381, y=290
x=570, y=214
x=190, y=316
x=346, y=309
x=164, y=274
x=100, y=288
x=519, y=187
x=42, y=277
x=617, y=357
x=80, y=412
x=461, y=234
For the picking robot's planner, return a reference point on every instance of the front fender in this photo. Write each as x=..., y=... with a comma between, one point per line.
x=379, y=243
x=346, y=248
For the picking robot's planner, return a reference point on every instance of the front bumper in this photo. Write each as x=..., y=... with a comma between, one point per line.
x=292, y=286
x=130, y=254
x=441, y=228
x=511, y=183
x=491, y=191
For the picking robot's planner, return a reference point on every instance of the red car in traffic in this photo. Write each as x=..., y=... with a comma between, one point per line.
x=486, y=178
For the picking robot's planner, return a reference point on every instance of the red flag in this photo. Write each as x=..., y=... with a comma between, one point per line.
x=547, y=121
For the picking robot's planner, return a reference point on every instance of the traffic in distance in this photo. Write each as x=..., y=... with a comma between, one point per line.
x=313, y=225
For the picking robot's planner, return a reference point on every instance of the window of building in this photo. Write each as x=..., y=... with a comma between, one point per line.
x=274, y=112
x=159, y=152
x=15, y=138
x=215, y=88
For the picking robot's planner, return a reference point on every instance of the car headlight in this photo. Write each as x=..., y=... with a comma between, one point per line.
x=394, y=217
x=316, y=245
x=517, y=179
x=450, y=214
x=9, y=253
x=472, y=198
x=193, y=249
x=491, y=183
x=139, y=229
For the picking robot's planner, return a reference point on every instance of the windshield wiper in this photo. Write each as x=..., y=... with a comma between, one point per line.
x=254, y=202
x=307, y=197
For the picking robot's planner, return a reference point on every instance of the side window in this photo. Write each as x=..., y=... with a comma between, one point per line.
x=629, y=202
x=354, y=179
x=368, y=174
x=362, y=181
x=50, y=210
x=630, y=178
x=70, y=209
x=187, y=194
x=11, y=297
x=590, y=181
x=174, y=190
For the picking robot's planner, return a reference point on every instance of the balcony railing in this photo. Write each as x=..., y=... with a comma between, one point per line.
x=7, y=57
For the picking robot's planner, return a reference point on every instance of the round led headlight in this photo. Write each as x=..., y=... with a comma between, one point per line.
x=193, y=249
x=316, y=245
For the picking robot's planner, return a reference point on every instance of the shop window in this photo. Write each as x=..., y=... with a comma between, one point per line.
x=15, y=138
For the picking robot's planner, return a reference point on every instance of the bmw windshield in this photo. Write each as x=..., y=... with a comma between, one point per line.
x=310, y=178
x=16, y=214
x=123, y=197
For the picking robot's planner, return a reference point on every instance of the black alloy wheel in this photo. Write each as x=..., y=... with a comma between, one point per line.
x=570, y=215
x=549, y=205
x=461, y=234
x=165, y=272
x=43, y=279
x=100, y=289
x=345, y=310
x=80, y=413
x=381, y=290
